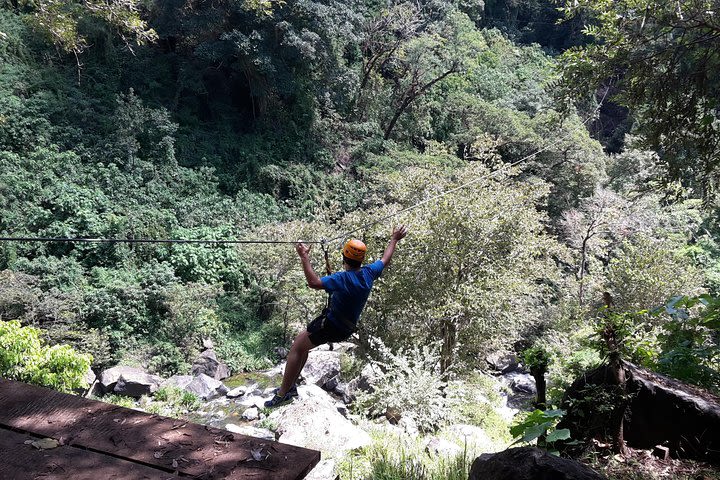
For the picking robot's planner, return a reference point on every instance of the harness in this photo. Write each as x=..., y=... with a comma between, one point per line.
x=352, y=327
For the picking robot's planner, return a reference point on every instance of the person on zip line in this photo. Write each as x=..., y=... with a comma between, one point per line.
x=349, y=290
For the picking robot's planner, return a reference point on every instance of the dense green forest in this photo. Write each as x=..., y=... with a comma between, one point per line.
x=589, y=133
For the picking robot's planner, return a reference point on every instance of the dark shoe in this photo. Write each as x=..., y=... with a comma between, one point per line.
x=277, y=400
x=291, y=393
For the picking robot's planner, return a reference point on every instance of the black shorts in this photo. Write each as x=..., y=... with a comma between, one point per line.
x=322, y=331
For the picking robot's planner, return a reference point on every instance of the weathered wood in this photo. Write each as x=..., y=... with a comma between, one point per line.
x=19, y=461
x=161, y=442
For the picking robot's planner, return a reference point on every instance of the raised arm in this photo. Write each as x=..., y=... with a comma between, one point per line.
x=313, y=280
x=397, y=235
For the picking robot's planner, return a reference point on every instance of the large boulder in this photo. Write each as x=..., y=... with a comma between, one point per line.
x=208, y=364
x=368, y=377
x=137, y=384
x=206, y=387
x=502, y=362
x=660, y=411
x=178, y=381
x=313, y=421
x=472, y=437
x=324, y=470
x=322, y=369
x=439, y=447
x=109, y=378
x=529, y=463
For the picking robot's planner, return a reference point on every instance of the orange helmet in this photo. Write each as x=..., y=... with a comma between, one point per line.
x=355, y=250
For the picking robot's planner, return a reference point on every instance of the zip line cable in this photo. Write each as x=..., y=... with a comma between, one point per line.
x=148, y=240
x=323, y=242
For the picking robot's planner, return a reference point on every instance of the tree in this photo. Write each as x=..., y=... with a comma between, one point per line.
x=665, y=57
x=62, y=20
x=475, y=272
x=410, y=48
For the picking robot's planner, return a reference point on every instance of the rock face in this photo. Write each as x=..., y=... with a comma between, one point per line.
x=312, y=421
x=206, y=387
x=137, y=384
x=368, y=376
x=502, y=362
x=207, y=363
x=322, y=369
x=661, y=411
x=134, y=380
x=178, y=381
x=528, y=463
x=473, y=437
x=442, y=448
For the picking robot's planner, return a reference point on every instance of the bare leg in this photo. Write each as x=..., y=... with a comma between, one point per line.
x=295, y=361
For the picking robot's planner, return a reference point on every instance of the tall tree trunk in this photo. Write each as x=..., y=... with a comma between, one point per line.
x=449, y=335
x=541, y=387
x=617, y=417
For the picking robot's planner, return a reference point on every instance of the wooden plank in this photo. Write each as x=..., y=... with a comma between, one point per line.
x=169, y=444
x=19, y=461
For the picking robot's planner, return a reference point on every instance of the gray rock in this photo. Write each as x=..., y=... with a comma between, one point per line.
x=313, y=422
x=473, y=437
x=206, y=387
x=178, y=381
x=322, y=368
x=528, y=463
x=409, y=426
x=368, y=377
x=502, y=362
x=251, y=431
x=109, y=377
x=442, y=448
x=137, y=384
x=90, y=381
x=252, y=401
x=251, y=414
x=521, y=382
x=324, y=470
x=281, y=352
x=208, y=364
x=236, y=392
x=208, y=344
x=660, y=411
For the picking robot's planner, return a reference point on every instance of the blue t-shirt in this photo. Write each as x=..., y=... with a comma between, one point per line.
x=350, y=291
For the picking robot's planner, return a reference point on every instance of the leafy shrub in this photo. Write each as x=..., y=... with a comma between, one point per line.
x=410, y=382
x=177, y=398
x=541, y=426
x=690, y=349
x=24, y=357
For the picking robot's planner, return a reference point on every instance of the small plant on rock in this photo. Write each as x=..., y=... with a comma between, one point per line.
x=541, y=426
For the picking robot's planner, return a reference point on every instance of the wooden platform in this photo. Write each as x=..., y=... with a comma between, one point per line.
x=99, y=441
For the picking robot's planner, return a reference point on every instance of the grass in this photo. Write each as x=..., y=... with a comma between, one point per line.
x=395, y=456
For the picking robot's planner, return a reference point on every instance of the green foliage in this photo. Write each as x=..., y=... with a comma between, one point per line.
x=119, y=400
x=540, y=426
x=536, y=358
x=394, y=458
x=689, y=348
x=24, y=357
x=62, y=21
x=177, y=398
x=473, y=263
x=664, y=56
x=409, y=382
